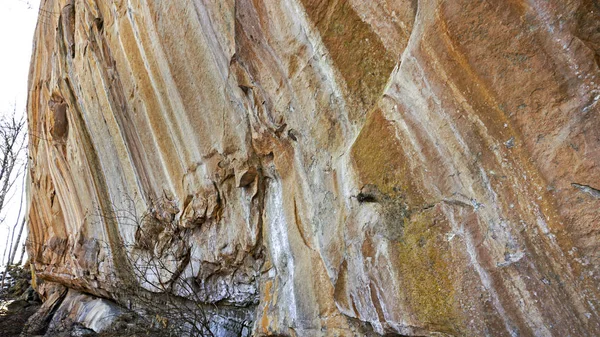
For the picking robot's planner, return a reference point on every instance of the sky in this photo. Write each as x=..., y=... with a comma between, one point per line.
x=17, y=24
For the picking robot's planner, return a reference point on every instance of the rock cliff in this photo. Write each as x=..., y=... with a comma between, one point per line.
x=323, y=168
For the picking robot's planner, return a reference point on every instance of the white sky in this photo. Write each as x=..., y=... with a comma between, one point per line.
x=17, y=24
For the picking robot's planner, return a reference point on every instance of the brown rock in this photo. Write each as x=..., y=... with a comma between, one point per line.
x=329, y=167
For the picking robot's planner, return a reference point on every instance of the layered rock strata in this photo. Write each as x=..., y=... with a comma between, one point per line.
x=324, y=168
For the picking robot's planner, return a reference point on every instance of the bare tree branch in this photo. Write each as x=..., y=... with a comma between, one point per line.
x=13, y=147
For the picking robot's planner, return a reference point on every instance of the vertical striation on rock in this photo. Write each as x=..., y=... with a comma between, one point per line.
x=323, y=168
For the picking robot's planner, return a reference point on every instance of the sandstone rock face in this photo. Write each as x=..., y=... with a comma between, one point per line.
x=326, y=168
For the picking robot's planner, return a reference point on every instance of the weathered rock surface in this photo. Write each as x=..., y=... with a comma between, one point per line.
x=330, y=168
x=95, y=314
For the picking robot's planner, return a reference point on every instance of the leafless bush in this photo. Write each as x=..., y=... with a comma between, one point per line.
x=156, y=277
x=154, y=285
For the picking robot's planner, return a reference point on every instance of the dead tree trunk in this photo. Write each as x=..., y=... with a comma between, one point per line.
x=11, y=258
